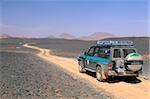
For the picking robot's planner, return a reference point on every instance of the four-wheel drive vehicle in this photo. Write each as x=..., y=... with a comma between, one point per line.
x=111, y=58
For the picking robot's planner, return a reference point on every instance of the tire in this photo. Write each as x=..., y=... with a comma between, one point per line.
x=99, y=74
x=81, y=66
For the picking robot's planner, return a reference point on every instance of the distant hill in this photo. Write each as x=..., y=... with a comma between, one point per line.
x=92, y=37
x=51, y=36
x=97, y=36
x=5, y=36
x=66, y=36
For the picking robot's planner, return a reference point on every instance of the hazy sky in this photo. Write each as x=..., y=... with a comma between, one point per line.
x=78, y=17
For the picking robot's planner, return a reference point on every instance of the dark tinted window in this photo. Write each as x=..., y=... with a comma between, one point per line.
x=96, y=52
x=104, y=52
x=91, y=51
x=117, y=53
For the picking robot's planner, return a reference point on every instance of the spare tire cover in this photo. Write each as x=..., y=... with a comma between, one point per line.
x=135, y=58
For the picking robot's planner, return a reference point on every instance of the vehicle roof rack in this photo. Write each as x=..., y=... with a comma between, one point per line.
x=114, y=43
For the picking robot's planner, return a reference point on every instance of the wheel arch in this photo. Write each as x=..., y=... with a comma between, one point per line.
x=100, y=65
x=80, y=58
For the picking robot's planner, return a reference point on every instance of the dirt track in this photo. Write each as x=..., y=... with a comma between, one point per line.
x=120, y=89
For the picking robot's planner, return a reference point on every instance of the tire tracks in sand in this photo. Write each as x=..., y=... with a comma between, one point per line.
x=120, y=90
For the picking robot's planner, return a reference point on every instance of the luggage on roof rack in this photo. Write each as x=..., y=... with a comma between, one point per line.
x=115, y=43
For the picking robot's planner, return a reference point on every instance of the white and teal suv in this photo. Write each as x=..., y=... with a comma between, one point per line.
x=111, y=58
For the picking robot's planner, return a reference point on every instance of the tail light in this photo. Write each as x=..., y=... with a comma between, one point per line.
x=110, y=66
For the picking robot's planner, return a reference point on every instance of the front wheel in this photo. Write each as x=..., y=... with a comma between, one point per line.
x=99, y=74
x=81, y=67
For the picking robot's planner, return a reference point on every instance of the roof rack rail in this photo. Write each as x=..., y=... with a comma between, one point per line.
x=117, y=43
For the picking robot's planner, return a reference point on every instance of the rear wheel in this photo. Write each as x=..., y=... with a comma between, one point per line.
x=81, y=67
x=99, y=74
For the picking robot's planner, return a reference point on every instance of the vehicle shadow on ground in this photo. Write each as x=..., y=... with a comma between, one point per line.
x=132, y=80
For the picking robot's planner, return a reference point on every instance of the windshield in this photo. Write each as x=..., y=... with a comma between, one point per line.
x=128, y=51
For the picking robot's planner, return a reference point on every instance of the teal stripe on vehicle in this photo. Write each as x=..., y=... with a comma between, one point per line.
x=100, y=60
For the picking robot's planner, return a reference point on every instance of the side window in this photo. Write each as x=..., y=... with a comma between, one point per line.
x=91, y=51
x=117, y=53
x=96, y=52
x=104, y=52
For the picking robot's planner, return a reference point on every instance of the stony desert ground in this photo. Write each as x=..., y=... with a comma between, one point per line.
x=34, y=72
x=25, y=76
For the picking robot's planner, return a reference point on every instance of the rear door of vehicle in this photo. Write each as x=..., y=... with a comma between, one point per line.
x=104, y=56
x=100, y=55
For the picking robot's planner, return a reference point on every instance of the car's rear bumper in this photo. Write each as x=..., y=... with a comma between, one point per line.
x=126, y=73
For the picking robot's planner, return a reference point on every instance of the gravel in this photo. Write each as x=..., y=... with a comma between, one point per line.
x=25, y=76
